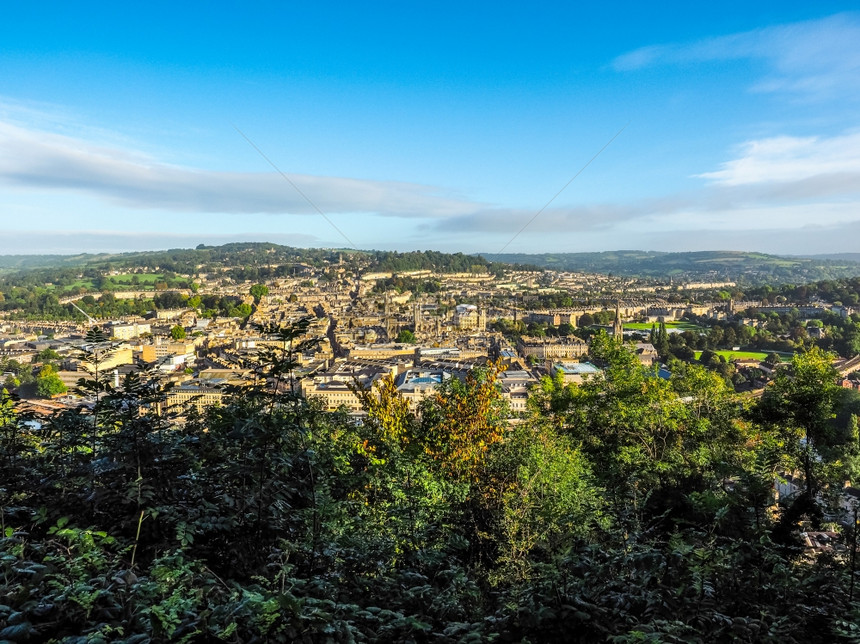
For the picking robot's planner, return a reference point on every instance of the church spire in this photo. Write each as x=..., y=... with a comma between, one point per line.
x=617, y=325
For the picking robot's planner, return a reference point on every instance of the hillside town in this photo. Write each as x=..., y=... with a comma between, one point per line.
x=368, y=324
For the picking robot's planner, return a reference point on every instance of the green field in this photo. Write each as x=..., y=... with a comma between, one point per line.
x=646, y=326
x=144, y=281
x=729, y=355
x=85, y=283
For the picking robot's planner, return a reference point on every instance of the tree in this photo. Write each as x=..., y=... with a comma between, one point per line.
x=406, y=336
x=177, y=332
x=48, y=383
x=661, y=340
x=683, y=352
x=772, y=359
x=652, y=442
x=800, y=407
x=711, y=358
x=464, y=420
x=47, y=355
x=549, y=500
x=258, y=291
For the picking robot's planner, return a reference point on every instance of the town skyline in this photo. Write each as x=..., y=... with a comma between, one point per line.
x=449, y=128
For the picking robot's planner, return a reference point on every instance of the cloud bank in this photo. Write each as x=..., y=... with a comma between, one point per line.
x=784, y=187
x=774, y=183
x=832, y=163
x=42, y=160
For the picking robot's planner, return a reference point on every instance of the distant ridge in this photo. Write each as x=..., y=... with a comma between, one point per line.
x=23, y=262
x=839, y=257
x=735, y=266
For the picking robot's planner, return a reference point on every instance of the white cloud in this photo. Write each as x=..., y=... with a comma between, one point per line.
x=787, y=159
x=780, y=183
x=775, y=183
x=816, y=58
x=44, y=160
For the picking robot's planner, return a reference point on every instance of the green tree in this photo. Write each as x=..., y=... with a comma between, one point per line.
x=177, y=332
x=549, y=499
x=661, y=340
x=48, y=383
x=406, y=336
x=800, y=406
x=773, y=359
x=258, y=291
x=565, y=329
x=405, y=497
x=649, y=439
x=47, y=355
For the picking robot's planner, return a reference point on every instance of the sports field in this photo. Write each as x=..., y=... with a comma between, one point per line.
x=646, y=326
x=730, y=355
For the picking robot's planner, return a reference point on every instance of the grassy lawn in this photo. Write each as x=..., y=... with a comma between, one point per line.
x=142, y=278
x=729, y=355
x=84, y=282
x=145, y=282
x=646, y=326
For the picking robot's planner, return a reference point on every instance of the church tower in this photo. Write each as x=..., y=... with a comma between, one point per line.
x=416, y=317
x=388, y=322
x=617, y=325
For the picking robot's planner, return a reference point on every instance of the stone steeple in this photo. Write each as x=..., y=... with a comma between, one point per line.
x=617, y=325
x=416, y=317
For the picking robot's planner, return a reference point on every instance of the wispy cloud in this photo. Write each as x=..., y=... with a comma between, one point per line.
x=816, y=58
x=46, y=160
x=828, y=162
x=779, y=182
x=559, y=220
x=771, y=184
x=106, y=241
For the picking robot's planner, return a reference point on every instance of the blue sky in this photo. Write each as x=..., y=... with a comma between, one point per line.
x=433, y=125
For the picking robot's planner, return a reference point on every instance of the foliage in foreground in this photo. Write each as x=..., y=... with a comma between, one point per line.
x=628, y=509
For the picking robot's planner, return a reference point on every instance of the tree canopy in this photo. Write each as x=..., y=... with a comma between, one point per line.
x=629, y=508
x=48, y=383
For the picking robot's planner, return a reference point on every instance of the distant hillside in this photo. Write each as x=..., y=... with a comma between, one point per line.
x=249, y=260
x=257, y=261
x=24, y=262
x=839, y=257
x=735, y=266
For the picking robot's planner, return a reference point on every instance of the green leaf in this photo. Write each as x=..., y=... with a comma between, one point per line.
x=18, y=632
